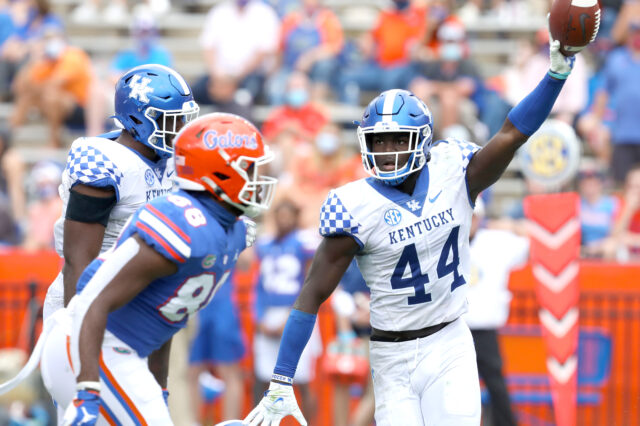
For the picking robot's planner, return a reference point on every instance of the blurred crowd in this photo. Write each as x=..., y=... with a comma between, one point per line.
x=295, y=57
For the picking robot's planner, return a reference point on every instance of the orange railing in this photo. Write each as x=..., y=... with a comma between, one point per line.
x=609, y=349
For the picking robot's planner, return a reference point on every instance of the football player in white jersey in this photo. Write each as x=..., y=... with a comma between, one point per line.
x=408, y=227
x=108, y=177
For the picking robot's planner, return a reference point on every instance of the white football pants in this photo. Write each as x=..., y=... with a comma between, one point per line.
x=431, y=381
x=130, y=394
x=54, y=299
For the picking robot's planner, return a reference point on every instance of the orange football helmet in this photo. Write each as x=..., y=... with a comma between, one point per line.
x=222, y=154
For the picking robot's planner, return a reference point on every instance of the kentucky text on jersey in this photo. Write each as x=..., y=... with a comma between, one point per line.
x=212, y=140
x=155, y=193
x=441, y=218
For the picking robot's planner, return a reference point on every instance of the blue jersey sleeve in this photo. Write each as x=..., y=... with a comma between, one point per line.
x=467, y=150
x=89, y=166
x=171, y=228
x=336, y=220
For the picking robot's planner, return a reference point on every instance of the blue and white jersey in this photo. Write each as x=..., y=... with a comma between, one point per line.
x=282, y=269
x=202, y=239
x=414, y=248
x=102, y=162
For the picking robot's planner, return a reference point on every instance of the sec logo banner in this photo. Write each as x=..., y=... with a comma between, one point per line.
x=551, y=156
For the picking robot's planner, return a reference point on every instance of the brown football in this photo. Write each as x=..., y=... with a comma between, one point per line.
x=574, y=23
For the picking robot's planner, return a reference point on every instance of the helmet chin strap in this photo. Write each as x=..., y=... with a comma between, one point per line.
x=250, y=211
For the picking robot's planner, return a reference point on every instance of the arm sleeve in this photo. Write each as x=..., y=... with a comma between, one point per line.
x=336, y=220
x=89, y=166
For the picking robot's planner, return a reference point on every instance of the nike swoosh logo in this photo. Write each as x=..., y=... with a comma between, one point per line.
x=433, y=200
x=170, y=173
x=584, y=17
x=279, y=399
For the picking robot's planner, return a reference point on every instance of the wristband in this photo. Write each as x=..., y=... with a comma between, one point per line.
x=89, y=386
x=279, y=378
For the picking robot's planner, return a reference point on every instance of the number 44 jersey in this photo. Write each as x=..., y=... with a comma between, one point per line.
x=414, y=248
x=202, y=239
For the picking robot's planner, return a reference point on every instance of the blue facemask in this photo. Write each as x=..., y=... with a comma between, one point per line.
x=297, y=98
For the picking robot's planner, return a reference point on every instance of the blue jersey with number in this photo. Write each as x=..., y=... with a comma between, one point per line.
x=414, y=247
x=202, y=239
x=282, y=269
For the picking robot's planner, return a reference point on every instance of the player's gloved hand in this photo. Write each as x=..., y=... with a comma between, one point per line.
x=278, y=402
x=561, y=65
x=83, y=410
x=251, y=231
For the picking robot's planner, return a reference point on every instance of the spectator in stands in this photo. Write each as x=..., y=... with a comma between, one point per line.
x=45, y=206
x=628, y=12
x=326, y=164
x=22, y=23
x=621, y=74
x=12, y=193
x=517, y=83
x=238, y=37
x=311, y=39
x=225, y=98
x=438, y=15
x=284, y=260
x=218, y=347
x=283, y=7
x=493, y=254
x=448, y=83
x=386, y=52
x=598, y=211
x=146, y=49
x=626, y=231
x=56, y=82
x=297, y=122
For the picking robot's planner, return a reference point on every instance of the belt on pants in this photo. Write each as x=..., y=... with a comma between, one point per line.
x=403, y=336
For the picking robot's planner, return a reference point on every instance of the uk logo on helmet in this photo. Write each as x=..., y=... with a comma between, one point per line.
x=140, y=88
x=213, y=140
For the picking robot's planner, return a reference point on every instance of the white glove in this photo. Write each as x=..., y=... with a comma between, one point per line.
x=278, y=402
x=251, y=231
x=561, y=65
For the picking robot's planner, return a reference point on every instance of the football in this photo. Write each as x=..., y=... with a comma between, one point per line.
x=574, y=23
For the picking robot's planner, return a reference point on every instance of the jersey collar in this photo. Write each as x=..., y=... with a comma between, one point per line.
x=222, y=215
x=413, y=203
x=158, y=167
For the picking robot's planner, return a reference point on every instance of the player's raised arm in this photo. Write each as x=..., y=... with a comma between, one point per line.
x=488, y=164
x=329, y=264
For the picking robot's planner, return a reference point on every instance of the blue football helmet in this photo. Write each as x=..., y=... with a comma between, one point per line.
x=392, y=112
x=152, y=103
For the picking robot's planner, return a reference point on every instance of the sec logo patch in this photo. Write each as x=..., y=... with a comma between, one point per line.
x=149, y=177
x=392, y=217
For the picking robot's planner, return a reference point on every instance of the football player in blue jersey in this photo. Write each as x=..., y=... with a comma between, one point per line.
x=170, y=259
x=108, y=177
x=408, y=228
